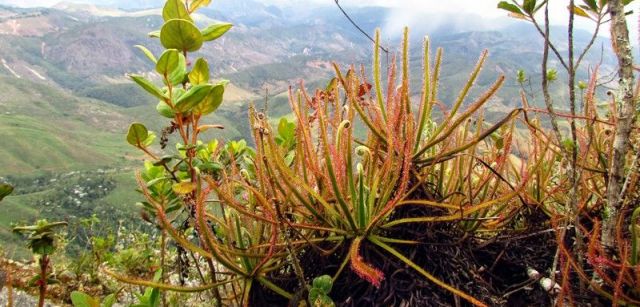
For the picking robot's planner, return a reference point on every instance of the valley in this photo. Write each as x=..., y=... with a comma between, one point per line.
x=66, y=101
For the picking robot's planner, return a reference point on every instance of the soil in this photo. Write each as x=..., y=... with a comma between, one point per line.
x=494, y=271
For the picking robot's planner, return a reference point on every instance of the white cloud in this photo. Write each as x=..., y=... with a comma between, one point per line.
x=411, y=11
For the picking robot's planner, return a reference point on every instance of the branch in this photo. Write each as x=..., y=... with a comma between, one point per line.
x=358, y=27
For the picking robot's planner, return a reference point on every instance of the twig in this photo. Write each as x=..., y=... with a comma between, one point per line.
x=358, y=27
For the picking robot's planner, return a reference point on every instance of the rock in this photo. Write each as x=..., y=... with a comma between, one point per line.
x=21, y=299
x=67, y=276
x=3, y=279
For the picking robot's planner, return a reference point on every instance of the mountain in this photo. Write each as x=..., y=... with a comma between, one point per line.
x=66, y=101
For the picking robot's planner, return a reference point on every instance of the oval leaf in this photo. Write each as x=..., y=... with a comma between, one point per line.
x=137, y=134
x=211, y=103
x=168, y=62
x=214, y=31
x=180, y=34
x=529, y=6
x=175, y=9
x=184, y=187
x=579, y=11
x=192, y=97
x=200, y=72
x=196, y=4
x=591, y=4
x=79, y=299
x=147, y=52
x=165, y=110
x=149, y=87
x=323, y=283
x=509, y=7
x=177, y=76
x=5, y=190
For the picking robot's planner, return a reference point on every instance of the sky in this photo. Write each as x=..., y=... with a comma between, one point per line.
x=409, y=12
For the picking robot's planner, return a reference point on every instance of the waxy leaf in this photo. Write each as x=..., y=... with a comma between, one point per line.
x=5, y=190
x=579, y=11
x=137, y=134
x=184, y=187
x=592, y=4
x=147, y=52
x=286, y=130
x=149, y=87
x=149, y=140
x=179, y=74
x=165, y=110
x=180, y=34
x=214, y=31
x=200, y=72
x=175, y=9
x=168, y=62
x=323, y=283
x=109, y=300
x=529, y=6
x=192, y=97
x=196, y=4
x=509, y=7
x=210, y=103
x=79, y=299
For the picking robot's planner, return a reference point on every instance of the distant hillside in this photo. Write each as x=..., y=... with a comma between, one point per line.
x=66, y=101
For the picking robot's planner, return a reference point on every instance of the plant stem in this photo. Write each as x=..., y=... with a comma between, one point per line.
x=163, y=247
x=626, y=116
x=44, y=264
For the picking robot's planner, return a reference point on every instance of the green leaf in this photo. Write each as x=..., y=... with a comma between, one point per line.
x=324, y=301
x=33, y=281
x=147, y=52
x=216, y=30
x=154, y=34
x=210, y=103
x=80, y=299
x=165, y=110
x=178, y=75
x=509, y=7
x=582, y=85
x=43, y=246
x=324, y=283
x=331, y=85
x=529, y=6
x=211, y=166
x=521, y=76
x=569, y=145
x=314, y=294
x=200, y=72
x=580, y=12
x=149, y=140
x=5, y=190
x=149, y=87
x=154, y=299
x=168, y=62
x=137, y=134
x=591, y=4
x=109, y=300
x=181, y=34
x=192, y=97
x=175, y=9
x=196, y=4
x=183, y=187
x=552, y=75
